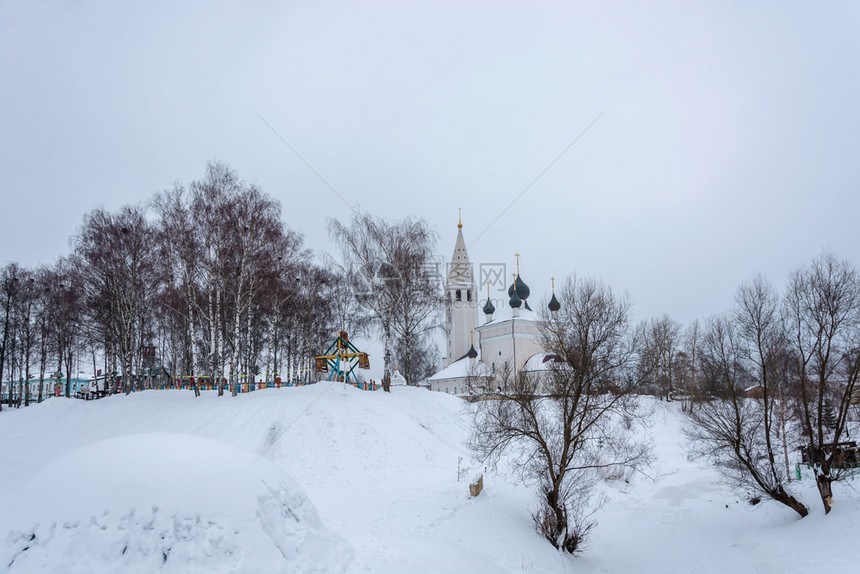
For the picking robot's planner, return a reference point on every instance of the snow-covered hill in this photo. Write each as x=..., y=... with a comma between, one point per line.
x=327, y=478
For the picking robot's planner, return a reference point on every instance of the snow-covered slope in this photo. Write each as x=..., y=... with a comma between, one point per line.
x=331, y=479
x=170, y=502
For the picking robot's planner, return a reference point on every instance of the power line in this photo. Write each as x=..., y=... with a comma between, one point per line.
x=304, y=161
x=535, y=180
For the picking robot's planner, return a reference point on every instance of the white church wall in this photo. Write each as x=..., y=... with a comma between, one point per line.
x=503, y=352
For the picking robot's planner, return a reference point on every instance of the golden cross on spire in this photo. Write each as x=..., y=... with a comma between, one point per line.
x=459, y=218
x=518, y=262
x=553, y=285
x=488, y=289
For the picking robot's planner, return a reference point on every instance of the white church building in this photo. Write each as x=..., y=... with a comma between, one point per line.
x=483, y=341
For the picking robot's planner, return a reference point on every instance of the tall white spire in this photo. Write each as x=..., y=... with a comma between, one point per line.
x=460, y=269
x=461, y=300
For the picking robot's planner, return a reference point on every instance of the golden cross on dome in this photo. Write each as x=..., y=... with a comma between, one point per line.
x=518, y=262
x=553, y=285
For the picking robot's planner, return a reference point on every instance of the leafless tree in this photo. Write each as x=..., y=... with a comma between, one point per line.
x=280, y=300
x=689, y=364
x=661, y=338
x=10, y=288
x=761, y=333
x=213, y=201
x=822, y=313
x=573, y=424
x=423, y=358
x=740, y=432
x=44, y=277
x=417, y=311
x=238, y=269
x=64, y=296
x=121, y=275
x=385, y=263
x=347, y=310
x=25, y=306
x=313, y=326
x=258, y=243
x=181, y=246
x=217, y=280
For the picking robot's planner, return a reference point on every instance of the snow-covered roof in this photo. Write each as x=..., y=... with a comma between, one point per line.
x=541, y=362
x=462, y=369
x=505, y=313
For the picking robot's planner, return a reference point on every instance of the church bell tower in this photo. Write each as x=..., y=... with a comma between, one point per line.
x=461, y=301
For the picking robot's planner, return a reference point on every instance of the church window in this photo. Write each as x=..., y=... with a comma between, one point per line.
x=469, y=295
x=458, y=296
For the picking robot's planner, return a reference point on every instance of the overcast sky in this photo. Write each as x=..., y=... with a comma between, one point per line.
x=729, y=140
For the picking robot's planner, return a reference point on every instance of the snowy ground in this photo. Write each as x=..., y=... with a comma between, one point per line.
x=327, y=478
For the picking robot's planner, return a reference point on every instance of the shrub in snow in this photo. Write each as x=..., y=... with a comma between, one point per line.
x=476, y=486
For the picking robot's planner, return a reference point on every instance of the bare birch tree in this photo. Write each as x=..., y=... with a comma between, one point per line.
x=8, y=295
x=121, y=275
x=181, y=246
x=212, y=200
x=384, y=262
x=25, y=310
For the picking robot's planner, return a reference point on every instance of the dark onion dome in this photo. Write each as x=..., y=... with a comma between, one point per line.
x=522, y=288
x=489, y=309
x=515, y=301
x=523, y=291
x=526, y=305
x=554, y=305
x=472, y=352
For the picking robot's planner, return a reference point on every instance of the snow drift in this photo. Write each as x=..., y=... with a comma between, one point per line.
x=328, y=478
x=170, y=502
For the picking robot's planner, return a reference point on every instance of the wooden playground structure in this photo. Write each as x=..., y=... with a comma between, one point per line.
x=340, y=361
